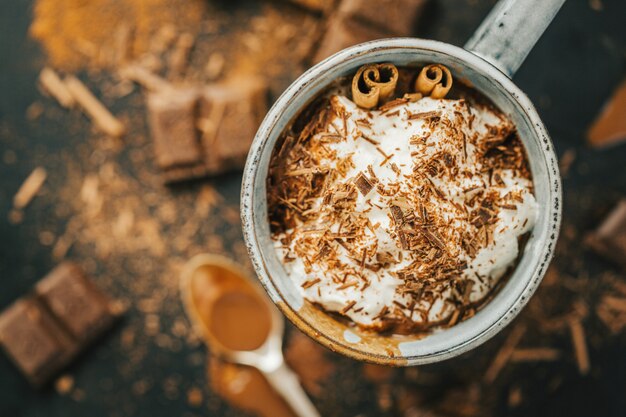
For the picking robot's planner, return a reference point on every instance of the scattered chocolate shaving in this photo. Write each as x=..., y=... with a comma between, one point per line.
x=370, y=140
x=580, y=345
x=100, y=115
x=393, y=103
x=310, y=283
x=363, y=184
x=504, y=354
x=52, y=84
x=397, y=215
x=509, y=207
x=29, y=188
x=144, y=77
x=348, y=307
x=396, y=169
x=383, y=312
x=425, y=115
x=535, y=354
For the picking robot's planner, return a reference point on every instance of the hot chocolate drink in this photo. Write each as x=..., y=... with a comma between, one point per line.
x=398, y=201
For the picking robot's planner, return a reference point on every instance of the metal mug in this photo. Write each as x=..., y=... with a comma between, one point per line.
x=489, y=59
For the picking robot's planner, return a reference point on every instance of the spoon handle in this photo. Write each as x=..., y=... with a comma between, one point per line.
x=286, y=383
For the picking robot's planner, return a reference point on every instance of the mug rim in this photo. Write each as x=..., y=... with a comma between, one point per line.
x=522, y=103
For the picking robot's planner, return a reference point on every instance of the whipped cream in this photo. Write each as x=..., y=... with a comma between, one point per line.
x=428, y=158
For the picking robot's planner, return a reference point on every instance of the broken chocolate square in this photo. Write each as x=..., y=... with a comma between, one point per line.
x=609, y=240
x=84, y=310
x=172, y=119
x=342, y=33
x=37, y=344
x=398, y=17
x=43, y=332
x=206, y=132
x=230, y=114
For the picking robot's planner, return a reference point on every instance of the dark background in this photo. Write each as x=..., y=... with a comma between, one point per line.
x=573, y=69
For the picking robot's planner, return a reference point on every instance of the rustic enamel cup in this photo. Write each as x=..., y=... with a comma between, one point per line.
x=488, y=61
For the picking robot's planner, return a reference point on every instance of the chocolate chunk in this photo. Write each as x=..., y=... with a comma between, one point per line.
x=398, y=17
x=171, y=115
x=342, y=33
x=609, y=240
x=37, y=344
x=73, y=300
x=610, y=126
x=230, y=114
x=228, y=117
x=43, y=332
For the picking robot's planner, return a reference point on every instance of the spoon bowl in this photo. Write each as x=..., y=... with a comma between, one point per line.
x=239, y=324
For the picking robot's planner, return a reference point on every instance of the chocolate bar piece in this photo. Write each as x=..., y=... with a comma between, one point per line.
x=76, y=302
x=172, y=117
x=342, y=33
x=230, y=114
x=44, y=331
x=398, y=17
x=37, y=344
x=609, y=240
x=208, y=132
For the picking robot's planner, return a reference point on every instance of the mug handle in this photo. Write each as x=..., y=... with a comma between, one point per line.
x=510, y=31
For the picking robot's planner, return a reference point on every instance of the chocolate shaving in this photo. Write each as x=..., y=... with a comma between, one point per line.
x=580, y=345
x=348, y=307
x=363, y=184
x=397, y=215
x=509, y=207
x=393, y=103
x=383, y=312
x=425, y=115
x=504, y=355
x=370, y=140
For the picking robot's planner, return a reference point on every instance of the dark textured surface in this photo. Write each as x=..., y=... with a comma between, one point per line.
x=571, y=72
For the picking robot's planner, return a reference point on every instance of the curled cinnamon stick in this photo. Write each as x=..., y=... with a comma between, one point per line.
x=362, y=94
x=374, y=84
x=434, y=80
x=383, y=77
